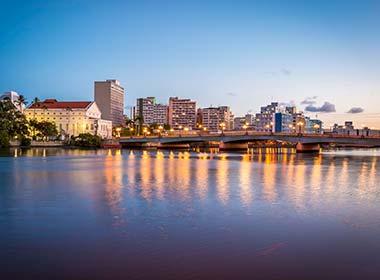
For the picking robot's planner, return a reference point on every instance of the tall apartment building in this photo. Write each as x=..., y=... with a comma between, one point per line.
x=265, y=119
x=210, y=118
x=109, y=96
x=182, y=113
x=216, y=118
x=283, y=122
x=151, y=112
x=226, y=116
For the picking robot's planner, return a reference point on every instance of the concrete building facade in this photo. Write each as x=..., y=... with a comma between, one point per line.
x=216, y=118
x=109, y=96
x=182, y=113
x=151, y=112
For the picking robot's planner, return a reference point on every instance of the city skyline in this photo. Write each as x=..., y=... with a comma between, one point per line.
x=317, y=55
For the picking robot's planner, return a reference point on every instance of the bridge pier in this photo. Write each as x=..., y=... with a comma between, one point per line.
x=233, y=146
x=308, y=148
x=173, y=146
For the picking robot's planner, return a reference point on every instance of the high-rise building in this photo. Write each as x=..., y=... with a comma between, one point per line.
x=151, y=112
x=210, y=118
x=109, y=96
x=182, y=113
x=239, y=123
x=265, y=119
x=283, y=122
x=226, y=117
x=216, y=118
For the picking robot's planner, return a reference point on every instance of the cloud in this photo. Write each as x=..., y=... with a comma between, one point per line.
x=355, y=110
x=310, y=100
x=288, y=103
x=286, y=72
x=325, y=108
x=231, y=94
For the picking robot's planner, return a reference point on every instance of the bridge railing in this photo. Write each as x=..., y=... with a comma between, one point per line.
x=195, y=134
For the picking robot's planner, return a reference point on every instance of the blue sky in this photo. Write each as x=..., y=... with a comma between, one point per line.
x=240, y=53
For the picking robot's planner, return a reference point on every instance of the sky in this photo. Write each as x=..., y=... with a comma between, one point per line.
x=323, y=56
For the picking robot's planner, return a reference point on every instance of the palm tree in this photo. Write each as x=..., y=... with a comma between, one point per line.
x=21, y=102
x=140, y=121
x=36, y=102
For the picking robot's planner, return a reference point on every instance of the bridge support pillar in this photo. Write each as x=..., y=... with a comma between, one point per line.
x=308, y=148
x=233, y=146
x=173, y=146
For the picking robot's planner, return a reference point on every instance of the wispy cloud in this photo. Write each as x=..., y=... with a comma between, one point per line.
x=288, y=103
x=327, y=107
x=231, y=94
x=355, y=110
x=310, y=100
x=286, y=72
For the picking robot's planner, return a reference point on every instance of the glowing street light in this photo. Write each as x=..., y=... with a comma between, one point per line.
x=118, y=130
x=300, y=125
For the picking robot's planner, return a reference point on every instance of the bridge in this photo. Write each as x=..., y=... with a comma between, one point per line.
x=302, y=142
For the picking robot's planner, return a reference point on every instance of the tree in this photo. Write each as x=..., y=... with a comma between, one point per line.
x=36, y=102
x=140, y=121
x=86, y=140
x=12, y=123
x=43, y=129
x=21, y=102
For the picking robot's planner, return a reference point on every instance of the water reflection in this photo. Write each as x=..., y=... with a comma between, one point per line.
x=149, y=207
x=222, y=184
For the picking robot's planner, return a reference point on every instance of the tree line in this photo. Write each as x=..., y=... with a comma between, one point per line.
x=15, y=126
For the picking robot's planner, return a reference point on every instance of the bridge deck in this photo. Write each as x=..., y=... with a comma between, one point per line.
x=231, y=137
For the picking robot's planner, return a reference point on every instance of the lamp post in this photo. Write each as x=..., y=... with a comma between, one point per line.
x=245, y=126
x=160, y=128
x=222, y=126
x=316, y=128
x=300, y=125
x=118, y=130
x=291, y=128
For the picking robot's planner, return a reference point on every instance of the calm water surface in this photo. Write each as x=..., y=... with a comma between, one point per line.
x=71, y=214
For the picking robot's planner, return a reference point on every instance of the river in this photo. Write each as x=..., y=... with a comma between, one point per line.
x=124, y=214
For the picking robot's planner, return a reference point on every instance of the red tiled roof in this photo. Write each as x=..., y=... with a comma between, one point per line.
x=54, y=104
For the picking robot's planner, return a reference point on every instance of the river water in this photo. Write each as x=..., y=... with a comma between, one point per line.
x=121, y=214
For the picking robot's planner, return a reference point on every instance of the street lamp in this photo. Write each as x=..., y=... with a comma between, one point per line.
x=222, y=126
x=160, y=128
x=316, y=128
x=245, y=127
x=300, y=125
x=118, y=130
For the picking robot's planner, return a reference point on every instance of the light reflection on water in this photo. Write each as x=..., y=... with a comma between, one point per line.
x=190, y=215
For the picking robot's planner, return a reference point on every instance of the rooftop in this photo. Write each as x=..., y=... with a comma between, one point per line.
x=55, y=104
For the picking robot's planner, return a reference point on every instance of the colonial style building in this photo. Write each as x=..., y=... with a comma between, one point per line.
x=71, y=117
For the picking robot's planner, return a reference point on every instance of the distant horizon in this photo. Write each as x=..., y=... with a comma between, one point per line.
x=320, y=55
